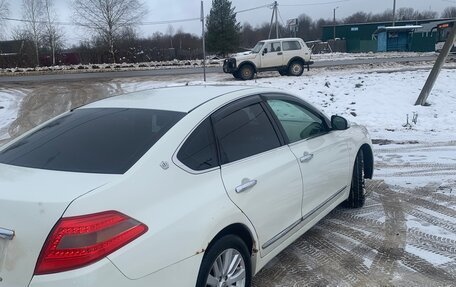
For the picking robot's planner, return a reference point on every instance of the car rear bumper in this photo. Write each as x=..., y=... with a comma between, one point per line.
x=229, y=66
x=105, y=273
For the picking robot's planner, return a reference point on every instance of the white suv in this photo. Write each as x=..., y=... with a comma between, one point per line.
x=288, y=56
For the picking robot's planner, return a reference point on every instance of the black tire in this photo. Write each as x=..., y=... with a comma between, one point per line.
x=283, y=72
x=296, y=68
x=246, y=72
x=357, y=196
x=237, y=75
x=225, y=243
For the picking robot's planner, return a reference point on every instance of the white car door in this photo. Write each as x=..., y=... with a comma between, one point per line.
x=272, y=55
x=261, y=175
x=323, y=154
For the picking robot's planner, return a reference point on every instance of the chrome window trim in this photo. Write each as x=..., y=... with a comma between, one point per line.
x=180, y=164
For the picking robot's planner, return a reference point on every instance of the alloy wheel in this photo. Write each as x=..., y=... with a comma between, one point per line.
x=228, y=270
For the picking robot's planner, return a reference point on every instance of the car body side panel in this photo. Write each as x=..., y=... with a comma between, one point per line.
x=298, y=232
x=272, y=60
x=180, y=215
x=327, y=172
x=274, y=203
x=104, y=273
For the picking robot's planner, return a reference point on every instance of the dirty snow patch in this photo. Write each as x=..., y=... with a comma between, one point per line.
x=430, y=257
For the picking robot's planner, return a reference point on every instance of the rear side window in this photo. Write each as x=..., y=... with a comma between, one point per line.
x=199, y=152
x=106, y=140
x=291, y=45
x=244, y=133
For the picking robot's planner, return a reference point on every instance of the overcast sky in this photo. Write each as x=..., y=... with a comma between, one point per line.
x=160, y=10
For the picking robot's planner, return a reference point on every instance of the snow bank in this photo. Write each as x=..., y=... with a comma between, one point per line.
x=9, y=108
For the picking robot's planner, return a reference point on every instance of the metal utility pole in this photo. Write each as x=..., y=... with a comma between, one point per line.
x=394, y=13
x=204, y=39
x=275, y=13
x=437, y=68
x=334, y=23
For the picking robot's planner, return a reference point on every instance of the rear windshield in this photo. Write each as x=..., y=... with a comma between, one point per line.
x=108, y=140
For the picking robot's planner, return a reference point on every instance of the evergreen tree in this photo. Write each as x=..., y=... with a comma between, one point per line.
x=223, y=31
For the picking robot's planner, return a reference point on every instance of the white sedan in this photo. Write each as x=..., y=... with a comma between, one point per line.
x=185, y=186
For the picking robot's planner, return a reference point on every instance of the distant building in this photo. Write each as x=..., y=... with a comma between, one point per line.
x=416, y=36
x=11, y=53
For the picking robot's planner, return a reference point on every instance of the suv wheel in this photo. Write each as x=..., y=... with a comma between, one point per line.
x=246, y=72
x=237, y=75
x=296, y=68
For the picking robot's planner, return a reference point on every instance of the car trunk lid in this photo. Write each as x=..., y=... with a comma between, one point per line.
x=31, y=202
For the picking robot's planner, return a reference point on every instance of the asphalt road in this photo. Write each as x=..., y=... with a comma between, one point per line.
x=190, y=71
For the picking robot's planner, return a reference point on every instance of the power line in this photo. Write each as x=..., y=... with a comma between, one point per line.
x=38, y=22
x=256, y=8
x=169, y=21
x=314, y=4
x=79, y=25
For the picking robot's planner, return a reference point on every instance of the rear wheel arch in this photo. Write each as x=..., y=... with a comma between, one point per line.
x=296, y=59
x=239, y=230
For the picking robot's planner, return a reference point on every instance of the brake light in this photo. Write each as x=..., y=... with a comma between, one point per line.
x=79, y=241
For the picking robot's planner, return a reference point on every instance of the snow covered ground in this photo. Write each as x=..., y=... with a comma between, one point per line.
x=9, y=106
x=352, y=56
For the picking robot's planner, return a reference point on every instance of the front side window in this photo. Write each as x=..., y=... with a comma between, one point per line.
x=102, y=140
x=244, y=133
x=199, y=151
x=298, y=122
x=291, y=45
x=273, y=47
x=258, y=47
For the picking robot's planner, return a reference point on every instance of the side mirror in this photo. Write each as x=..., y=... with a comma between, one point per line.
x=339, y=123
x=265, y=51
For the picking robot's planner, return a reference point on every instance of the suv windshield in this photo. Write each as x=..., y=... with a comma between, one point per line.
x=258, y=47
x=104, y=140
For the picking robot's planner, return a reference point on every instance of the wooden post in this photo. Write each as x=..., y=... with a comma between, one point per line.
x=426, y=91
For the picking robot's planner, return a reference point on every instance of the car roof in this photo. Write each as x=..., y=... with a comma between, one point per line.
x=281, y=39
x=180, y=99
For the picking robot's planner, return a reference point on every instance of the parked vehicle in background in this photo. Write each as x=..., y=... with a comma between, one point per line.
x=177, y=187
x=443, y=31
x=288, y=56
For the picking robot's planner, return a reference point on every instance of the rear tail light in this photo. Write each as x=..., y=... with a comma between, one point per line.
x=79, y=241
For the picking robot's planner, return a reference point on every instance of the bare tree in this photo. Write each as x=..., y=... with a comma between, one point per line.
x=358, y=17
x=4, y=12
x=33, y=14
x=107, y=18
x=449, y=12
x=170, y=33
x=52, y=34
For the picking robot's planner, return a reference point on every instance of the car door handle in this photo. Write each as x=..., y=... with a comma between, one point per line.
x=245, y=186
x=6, y=234
x=306, y=157
x=280, y=53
